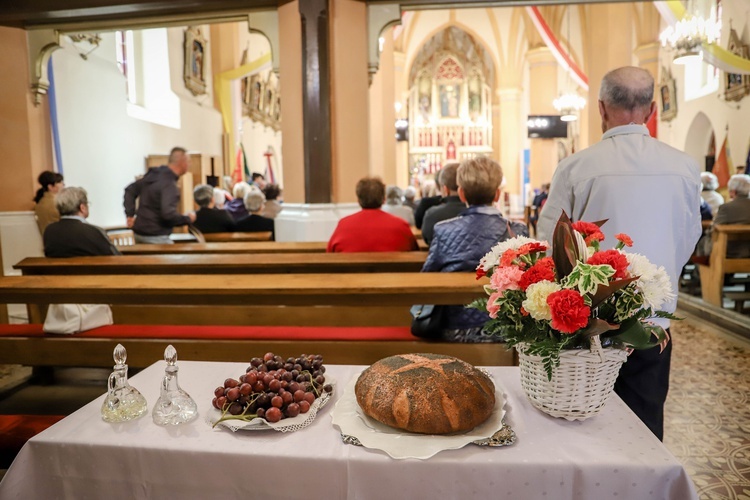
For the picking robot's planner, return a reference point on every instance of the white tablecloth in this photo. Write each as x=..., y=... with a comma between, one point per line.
x=610, y=456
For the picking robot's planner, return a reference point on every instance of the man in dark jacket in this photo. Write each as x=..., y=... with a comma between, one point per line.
x=450, y=206
x=158, y=200
x=460, y=243
x=72, y=236
x=210, y=219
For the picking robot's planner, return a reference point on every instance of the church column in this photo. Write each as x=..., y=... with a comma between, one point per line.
x=25, y=128
x=508, y=136
x=542, y=91
x=383, y=117
x=401, y=94
x=290, y=82
x=607, y=22
x=648, y=58
x=349, y=98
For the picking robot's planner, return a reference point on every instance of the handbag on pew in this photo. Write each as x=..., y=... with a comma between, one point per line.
x=75, y=318
x=427, y=320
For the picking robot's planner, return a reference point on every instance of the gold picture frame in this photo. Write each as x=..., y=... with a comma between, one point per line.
x=667, y=96
x=736, y=86
x=196, y=46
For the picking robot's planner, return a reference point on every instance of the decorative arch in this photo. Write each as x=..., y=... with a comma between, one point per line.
x=698, y=138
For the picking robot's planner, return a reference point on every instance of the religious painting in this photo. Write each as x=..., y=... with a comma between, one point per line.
x=449, y=98
x=425, y=97
x=475, y=96
x=195, y=59
x=255, y=102
x=667, y=96
x=736, y=86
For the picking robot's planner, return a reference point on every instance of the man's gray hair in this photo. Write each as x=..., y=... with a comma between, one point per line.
x=739, y=183
x=627, y=88
x=69, y=200
x=254, y=200
x=203, y=194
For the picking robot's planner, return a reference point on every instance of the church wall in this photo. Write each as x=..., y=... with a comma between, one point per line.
x=721, y=113
x=103, y=148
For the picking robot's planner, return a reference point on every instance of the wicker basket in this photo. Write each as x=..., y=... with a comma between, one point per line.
x=580, y=386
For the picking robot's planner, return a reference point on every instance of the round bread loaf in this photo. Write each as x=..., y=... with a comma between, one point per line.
x=425, y=393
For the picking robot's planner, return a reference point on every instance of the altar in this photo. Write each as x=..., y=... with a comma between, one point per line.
x=612, y=455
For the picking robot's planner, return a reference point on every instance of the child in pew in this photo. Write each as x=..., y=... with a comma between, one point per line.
x=459, y=243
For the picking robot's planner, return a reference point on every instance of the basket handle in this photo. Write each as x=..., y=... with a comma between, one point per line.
x=596, y=347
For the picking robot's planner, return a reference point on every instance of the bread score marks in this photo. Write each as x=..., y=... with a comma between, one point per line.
x=425, y=393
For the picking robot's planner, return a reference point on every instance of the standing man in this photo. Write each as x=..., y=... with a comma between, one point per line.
x=158, y=199
x=647, y=190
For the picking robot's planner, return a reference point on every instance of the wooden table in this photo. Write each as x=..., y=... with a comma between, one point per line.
x=237, y=236
x=265, y=263
x=610, y=456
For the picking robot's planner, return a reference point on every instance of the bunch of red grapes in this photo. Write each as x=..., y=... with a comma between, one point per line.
x=272, y=388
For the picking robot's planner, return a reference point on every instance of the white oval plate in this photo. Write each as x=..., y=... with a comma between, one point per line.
x=351, y=421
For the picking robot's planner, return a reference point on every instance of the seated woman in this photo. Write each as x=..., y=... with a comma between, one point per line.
x=371, y=229
x=236, y=206
x=708, y=193
x=394, y=206
x=45, y=210
x=254, y=222
x=72, y=236
x=273, y=205
x=208, y=218
x=459, y=243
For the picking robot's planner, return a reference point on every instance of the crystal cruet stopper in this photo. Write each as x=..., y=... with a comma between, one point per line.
x=123, y=402
x=174, y=406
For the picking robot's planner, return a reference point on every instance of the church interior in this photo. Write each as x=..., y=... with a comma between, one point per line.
x=318, y=94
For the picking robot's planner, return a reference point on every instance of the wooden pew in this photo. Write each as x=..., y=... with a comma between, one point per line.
x=297, y=293
x=237, y=236
x=250, y=247
x=384, y=289
x=263, y=263
x=712, y=275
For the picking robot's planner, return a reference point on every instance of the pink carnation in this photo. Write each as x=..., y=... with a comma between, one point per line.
x=506, y=278
x=493, y=308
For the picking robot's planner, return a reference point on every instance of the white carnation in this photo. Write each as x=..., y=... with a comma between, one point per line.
x=492, y=257
x=653, y=281
x=536, y=299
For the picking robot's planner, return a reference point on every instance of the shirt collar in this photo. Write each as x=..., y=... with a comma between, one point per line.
x=482, y=209
x=626, y=129
x=77, y=217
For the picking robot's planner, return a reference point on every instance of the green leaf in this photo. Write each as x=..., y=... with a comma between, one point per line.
x=587, y=277
x=637, y=335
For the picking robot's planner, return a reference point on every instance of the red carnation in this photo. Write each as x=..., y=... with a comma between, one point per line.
x=544, y=269
x=625, y=239
x=612, y=258
x=589, y=230
x=481, y=272
x=508, y=257
x=569, y=312
x=532, y=247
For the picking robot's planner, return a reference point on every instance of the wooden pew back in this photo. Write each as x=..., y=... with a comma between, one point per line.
x=712, y=275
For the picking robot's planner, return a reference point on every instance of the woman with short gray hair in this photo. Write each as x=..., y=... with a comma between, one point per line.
x=710, y=185
x=254, y=222
x=72, y=236
x=209, y=219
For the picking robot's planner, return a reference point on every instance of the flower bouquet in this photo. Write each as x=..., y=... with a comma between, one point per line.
x=572, y=316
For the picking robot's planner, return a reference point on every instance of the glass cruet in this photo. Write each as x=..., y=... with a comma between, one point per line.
x=123, y=402
x=174, y=406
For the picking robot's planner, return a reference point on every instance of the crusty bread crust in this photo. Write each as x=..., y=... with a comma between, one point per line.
x=425, y=393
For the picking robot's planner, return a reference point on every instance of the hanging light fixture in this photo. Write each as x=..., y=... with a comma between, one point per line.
x=688, y=35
